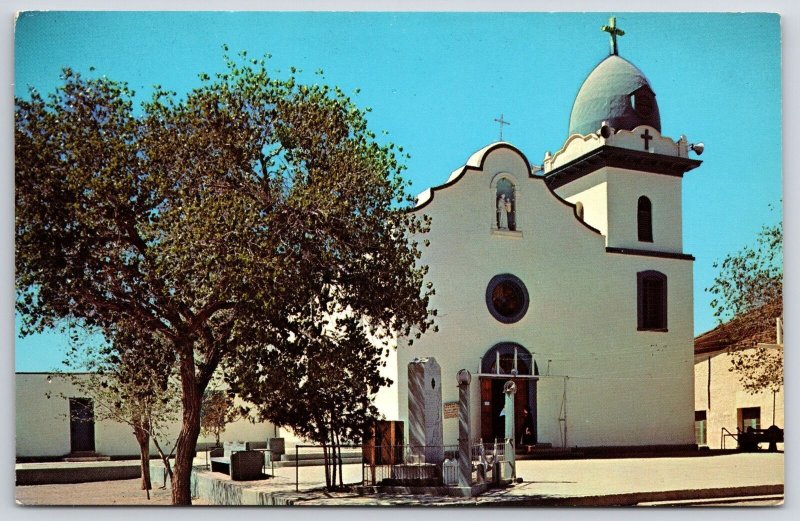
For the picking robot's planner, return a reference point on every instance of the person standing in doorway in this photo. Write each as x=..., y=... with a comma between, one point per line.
x=526, y=436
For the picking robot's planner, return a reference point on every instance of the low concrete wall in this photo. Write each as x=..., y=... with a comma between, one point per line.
x=221, y=491
x=62, y=475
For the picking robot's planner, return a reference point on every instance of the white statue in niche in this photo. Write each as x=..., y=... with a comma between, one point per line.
x=503, y=209
x=505, y=205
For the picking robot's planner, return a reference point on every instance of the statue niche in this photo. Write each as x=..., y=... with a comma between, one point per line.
x=505, y=200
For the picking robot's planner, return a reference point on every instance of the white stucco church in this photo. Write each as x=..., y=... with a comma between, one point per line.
x=569, y=277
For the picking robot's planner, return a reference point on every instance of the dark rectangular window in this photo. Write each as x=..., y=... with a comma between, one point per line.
x=651, y=293
x=645, y=219
x=651, y=301
x=700, y=428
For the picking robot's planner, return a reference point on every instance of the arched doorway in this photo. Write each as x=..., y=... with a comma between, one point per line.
x=508, y=361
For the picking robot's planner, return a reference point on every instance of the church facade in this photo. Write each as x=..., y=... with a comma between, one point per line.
x=569, y=278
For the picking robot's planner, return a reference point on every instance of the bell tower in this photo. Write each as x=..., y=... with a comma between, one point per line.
x=617, y=164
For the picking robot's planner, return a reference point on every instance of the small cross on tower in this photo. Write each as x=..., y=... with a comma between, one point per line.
x=647, y=137
x=613, y=31
x=502, y=122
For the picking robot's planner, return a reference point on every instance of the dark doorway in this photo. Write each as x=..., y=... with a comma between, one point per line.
x=503, y=362
x=81, y=425
x=493, y=401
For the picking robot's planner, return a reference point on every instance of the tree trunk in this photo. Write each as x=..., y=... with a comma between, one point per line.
x=165, y=460
x=327, y=466
x=191, y=399
x=334, y=459
x=144, y=451
x=336, y=451
x=184, y=454
x=339, y=448
x=143, y=438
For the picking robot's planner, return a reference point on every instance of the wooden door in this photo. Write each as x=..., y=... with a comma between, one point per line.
x=81, y=425
x=492, y=403
x=487, y=431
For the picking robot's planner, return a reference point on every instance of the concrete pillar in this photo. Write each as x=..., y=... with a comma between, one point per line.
x=464, y=439
x=510, y=389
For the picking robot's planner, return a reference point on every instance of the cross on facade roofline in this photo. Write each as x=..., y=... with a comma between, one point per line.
x=502, y=122
x=613, y=32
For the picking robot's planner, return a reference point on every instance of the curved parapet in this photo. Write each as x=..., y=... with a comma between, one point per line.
x=477, y=162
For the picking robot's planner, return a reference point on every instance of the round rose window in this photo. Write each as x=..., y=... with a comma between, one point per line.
x=507, y=298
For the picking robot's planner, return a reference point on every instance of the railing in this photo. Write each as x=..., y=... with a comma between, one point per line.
x=725, y=433
x=268, y=460
x=414, y=465
x=317, y=454
x=406, y=464
x=411, y=465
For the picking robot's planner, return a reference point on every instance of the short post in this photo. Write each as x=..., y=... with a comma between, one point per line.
x=510, y=389
x=464, y=442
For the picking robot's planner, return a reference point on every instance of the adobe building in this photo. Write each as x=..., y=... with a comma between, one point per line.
x=722, y=406
x=55, y=419
x=568, y=277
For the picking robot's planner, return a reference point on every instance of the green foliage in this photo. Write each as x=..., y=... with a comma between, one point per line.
x=321, y=383
x=210, y=221
x=216, y=412
x=751, y=279
x=126, y=389
x=748, y=298
x=759, y=369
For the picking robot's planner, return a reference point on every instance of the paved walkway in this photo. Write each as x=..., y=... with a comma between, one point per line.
x=547, y=482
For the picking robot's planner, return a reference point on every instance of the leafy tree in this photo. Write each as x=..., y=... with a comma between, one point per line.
x=209, y=221
x=759, y=369
x=321, y=383
x=216, y=412
x=748, y=297
x=145, y=397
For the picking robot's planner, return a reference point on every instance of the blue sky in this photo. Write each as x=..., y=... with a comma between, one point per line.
x=436, y=82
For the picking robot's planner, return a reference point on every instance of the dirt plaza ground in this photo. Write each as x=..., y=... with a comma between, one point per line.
x=660, y=481
x=114, y=493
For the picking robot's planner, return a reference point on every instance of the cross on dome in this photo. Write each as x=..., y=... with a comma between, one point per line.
x=613, y=32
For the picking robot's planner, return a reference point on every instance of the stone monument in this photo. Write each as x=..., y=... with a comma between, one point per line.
x=425, y=410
